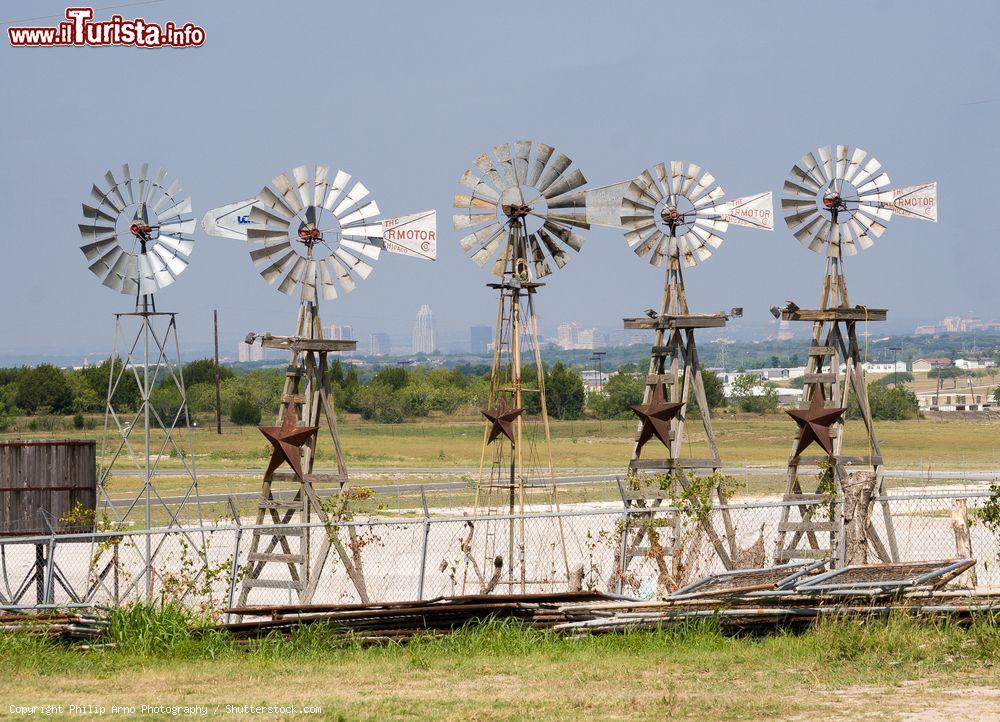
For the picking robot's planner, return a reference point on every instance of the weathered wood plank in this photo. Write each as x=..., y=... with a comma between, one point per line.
x=835, y=314
x=662, y=322
x=674, y=464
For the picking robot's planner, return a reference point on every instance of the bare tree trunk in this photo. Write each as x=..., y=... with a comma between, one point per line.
x=963, y=540
x=858, y=487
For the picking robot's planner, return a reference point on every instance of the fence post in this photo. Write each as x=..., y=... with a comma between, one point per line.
x=236, y=557
x=50, y=571
x=423, y=551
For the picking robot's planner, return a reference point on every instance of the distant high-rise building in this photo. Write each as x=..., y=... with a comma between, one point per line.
x=570, y=336
x=341, y=333
x=248, y=353
x=424, y=336
x=587, y=338
x=379, y=344
x=566, y=335
x=480, y=338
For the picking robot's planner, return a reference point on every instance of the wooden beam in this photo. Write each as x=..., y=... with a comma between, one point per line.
x=819, y=378
x=716, y=320
x=835, y=314
x=293, y=343
x=674, y=464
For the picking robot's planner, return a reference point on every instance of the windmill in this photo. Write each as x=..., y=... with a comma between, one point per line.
x=137, y=240
x=312, y=236
x=835, y=201
x=675, y=215
x=520, y=212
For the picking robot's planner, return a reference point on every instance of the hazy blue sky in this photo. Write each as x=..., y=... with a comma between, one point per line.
x=404, y=95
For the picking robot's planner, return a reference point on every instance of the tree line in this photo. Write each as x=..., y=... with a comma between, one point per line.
x=386, y=395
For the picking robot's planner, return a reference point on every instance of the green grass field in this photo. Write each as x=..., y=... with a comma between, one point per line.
x=878, y=670
x=743, y=439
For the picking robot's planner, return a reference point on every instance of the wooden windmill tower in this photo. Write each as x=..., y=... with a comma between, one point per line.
x=312, y=235
x=834, y=201
x=520, y=210
x=675, y=216
x=137, y=240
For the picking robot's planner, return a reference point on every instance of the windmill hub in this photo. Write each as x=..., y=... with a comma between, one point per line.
x=516, y=211
x=670, y=215
x=309, y=234
x=140, y=230
x=833, y=200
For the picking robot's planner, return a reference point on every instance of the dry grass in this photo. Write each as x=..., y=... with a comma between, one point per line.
x=884, y=670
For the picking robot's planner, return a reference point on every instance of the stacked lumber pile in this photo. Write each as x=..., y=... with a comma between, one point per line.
x=399, y=621
x=56, y=624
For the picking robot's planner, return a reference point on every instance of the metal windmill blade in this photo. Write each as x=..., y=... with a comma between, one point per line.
x=137, y=230
x=837, y=200
x=312, y=234
x=676, y=211
x=525, y=186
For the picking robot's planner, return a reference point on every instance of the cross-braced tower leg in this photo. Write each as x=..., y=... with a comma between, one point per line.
x=674, y=379
x=146, y=356
x=834, y=345
x=305, y=396
x=514, y=471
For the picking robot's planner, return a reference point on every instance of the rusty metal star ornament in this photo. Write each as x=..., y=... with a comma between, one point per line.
x=503, y=422
x=656, y=416
x=815, y=422
x=287, y=440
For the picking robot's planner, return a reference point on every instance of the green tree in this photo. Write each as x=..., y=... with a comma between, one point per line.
x=380, y=402
x=887, y=403
x=245, y=411
x=395, y=377
x=754, y=395
x=895, y=378
x=714, y=390
x=44, y=386
x=202, y=371
x=996, y=395
x=564, y=392
x=621, y=392
x=127, y=392
x=166, y=400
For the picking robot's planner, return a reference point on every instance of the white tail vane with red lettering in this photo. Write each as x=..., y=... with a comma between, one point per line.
x=915, y=202
x=412, y=235
x=756, y=211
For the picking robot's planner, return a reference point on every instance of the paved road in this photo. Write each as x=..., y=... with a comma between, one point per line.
x=586, y=473
x=563, y=478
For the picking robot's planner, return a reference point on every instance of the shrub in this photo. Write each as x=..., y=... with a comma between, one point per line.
x=754, y=395
x=620, y=393
x=887, y=403
x=245, y=412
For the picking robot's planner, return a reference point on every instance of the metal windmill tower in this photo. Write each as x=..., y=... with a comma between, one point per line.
x=834, y=201
x=311, y=235
x=675, y=216
x=138, y=240
x=521, y=210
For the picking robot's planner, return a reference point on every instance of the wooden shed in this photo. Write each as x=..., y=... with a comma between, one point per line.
x=47, y=479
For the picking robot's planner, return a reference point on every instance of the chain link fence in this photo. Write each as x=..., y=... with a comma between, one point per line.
x=637, y=552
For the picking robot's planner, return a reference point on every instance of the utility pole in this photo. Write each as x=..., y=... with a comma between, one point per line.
x=895, y=371
x=218, y=391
